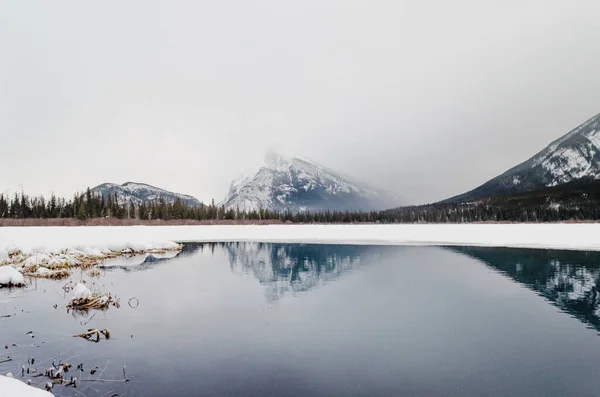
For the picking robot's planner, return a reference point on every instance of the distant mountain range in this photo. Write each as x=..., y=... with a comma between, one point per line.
x=280, y=184
x=571, y=158
x=141, y=192
x=566, y=175
x=296, y=184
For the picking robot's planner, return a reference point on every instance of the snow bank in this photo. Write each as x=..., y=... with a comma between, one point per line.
x=101, y=239
x=10, y=276
x=10, y=387
x=66, y=246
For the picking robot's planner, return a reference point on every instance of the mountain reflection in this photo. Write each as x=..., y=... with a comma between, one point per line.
x=137, y=263
x=292, y=268
x=568, y=279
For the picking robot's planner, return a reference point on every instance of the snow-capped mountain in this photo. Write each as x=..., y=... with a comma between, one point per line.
x=299, y=185
x=140, y=192
x=573, y=157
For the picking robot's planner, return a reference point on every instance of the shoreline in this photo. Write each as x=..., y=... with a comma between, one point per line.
x=570, y=236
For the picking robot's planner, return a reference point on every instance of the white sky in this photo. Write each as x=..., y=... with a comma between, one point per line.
x=426, y=98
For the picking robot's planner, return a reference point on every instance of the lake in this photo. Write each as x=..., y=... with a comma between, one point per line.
x=321, y=320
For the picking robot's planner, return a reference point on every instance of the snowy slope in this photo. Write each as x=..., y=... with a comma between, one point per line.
x=140, y=192
x=298, y=185
x=573, y=157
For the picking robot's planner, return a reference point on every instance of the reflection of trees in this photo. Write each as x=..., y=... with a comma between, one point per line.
x=568, y=279
x=284, y=268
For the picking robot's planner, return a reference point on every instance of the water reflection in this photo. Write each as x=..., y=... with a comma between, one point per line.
x=568, y=279
x=292, y=268
x=281, y=268
x=136, y=263
x=419, y=321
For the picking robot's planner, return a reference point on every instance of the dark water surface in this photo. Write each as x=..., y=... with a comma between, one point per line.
x=298, y=320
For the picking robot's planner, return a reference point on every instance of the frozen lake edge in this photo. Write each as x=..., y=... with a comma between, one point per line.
x=585, y=236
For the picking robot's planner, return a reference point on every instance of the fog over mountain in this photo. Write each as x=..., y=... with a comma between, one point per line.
x=428, y=99
x=294, y=184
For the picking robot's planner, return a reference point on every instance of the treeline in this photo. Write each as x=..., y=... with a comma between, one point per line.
x=91, y=205
x=485, y=211
x=581, y=202
x=575, y=201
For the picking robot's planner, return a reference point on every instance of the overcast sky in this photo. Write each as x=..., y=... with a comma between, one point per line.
x=426, y=98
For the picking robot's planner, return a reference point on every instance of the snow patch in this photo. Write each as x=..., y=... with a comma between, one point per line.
x=81, y=292
x=11, y=387
x=594, y=138
x=566, y=165
x=9, y=276
x=43, y=271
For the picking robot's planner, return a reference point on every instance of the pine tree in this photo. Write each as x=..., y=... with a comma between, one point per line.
x=82, y=212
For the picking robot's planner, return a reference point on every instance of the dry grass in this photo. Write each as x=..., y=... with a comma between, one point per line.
x=94, y=272
x=96, y=301
x=53, y=275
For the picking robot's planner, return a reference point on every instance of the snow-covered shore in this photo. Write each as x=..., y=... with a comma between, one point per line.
x=559, y=236
x=55, y=261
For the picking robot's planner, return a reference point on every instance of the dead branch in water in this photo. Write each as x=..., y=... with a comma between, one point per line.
x=94, y=333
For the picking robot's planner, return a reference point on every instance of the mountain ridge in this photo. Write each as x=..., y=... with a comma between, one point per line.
x=573, y=156
x=138, y=193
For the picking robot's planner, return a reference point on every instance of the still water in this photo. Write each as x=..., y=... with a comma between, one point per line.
x=322, y=320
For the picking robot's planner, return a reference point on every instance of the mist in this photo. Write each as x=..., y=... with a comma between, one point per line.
x=425, y=99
